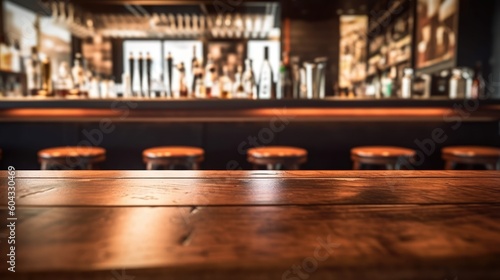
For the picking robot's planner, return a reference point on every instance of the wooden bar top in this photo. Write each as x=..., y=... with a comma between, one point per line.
x=254, y=225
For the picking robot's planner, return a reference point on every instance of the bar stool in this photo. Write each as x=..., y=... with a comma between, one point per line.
x=472, y=155
x=72, y=158
x=390, y=157
x=277, y=157
x=169, y=157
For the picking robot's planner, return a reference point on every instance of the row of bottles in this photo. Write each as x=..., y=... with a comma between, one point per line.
x=206, y=81
x=458, y=83
x=76, y=82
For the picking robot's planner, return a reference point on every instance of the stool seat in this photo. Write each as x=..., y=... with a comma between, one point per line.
x=382, y=151
x=275, y=156
x=472, y=151
x=380, y=155
x=63, y=152
x=173, y=155
x=82, y=156
x=473, y=155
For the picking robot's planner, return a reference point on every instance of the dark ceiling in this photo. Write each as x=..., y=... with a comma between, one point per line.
x=306, y=9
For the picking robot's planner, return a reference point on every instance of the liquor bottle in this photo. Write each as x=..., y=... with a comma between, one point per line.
x=285, y=80
x=478, y=83
x=149, y=65
x=3, y=50
x=6, y=57
x=249, y=81
x=63, y=83
x=387, y=86
x=225, y=83
x=78, y=75
x=461, y=84
x=266, y=81
x=183, y=91
x=194, y=61
x=16, y=57
x=46, y=78
x=197, y=86
x=296, y=77
x=210, y=77
x=34, y=72
x=131, y=63
x=141, y=61
x=170, y=69
x=407, y=84
x=238, y=88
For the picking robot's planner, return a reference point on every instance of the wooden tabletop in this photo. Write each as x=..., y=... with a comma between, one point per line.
x=254, y=225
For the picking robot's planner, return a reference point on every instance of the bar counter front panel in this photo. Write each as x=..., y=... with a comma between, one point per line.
x=328, y=129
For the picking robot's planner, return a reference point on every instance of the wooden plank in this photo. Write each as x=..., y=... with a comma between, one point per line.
x=253, y=174
x=246, y=191
x=364, y=242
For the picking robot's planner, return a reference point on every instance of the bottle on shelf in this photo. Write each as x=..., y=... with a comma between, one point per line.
x=296, y=77
x=16, y=57
x=460, y=84
x=141, y=61
x=34, y=72
x=285, y=87
x=148, y=64
x=63, y=84
x=170, y=69
x=478, y=83
x=47, y=89
x=266, y=80
x=3, y=49
x=198, y=86
x=238, y=88
x=183, y=90
x=78, y=76
x=387, y=86
x=6, y=56
x=249, y=81
x=210, y=78
x=407, y=83
x=132, y=68
x=225, y=83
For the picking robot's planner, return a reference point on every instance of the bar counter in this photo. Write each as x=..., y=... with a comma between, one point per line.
x=206, y=111
x=255, y=225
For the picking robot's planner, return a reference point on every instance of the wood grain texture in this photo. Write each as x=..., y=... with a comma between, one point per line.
x=252, y=191
x=85, y=174
x=379, y=242
x=255, y=225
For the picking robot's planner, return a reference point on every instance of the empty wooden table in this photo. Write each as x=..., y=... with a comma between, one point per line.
x=254, y=225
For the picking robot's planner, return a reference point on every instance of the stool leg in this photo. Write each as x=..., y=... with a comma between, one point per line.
x=45, y=165
x=450, y=165
x=149, y=166
x=491, y=167
x=270, y=167
x=195, y=166
x=390, y=166
x=293, y=167
x=357, y=165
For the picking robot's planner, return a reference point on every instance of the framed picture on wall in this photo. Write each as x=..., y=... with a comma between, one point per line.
x=437, y=28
